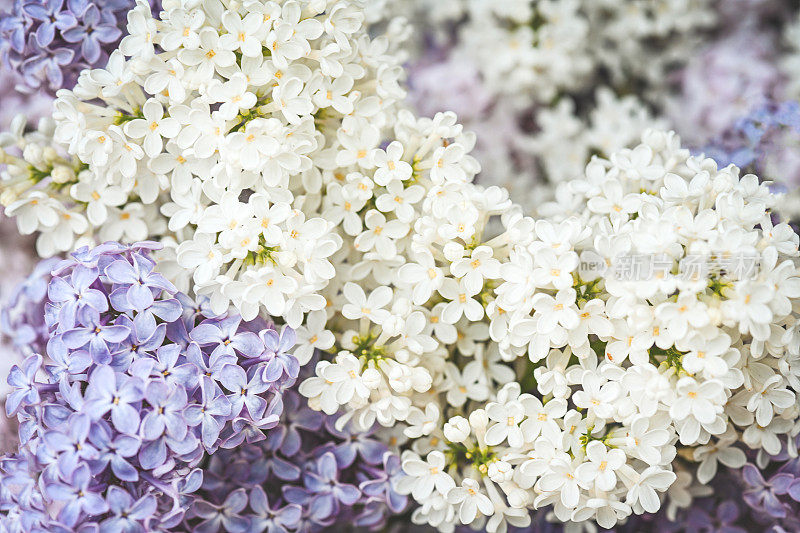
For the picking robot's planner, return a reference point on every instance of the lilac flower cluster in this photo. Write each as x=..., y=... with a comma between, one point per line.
x=22, y=317
x=305, y=476
x=774, y=497
x=23, y=332
x=737, y=501
x=48, y=42
x=140, y=383
x=765, y=141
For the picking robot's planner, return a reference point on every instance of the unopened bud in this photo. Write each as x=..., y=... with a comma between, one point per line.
x=32, y=153
x=394, y=325
x=49, y=153
x=457, y=429
x=62, y=174
x=518, y=498
x=500, y=471
x=478, y=420
x=371, y=378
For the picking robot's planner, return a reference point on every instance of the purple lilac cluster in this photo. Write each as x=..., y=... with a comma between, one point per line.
x=22, y=317
x=139, y=385
x=23, y=331
x=305, y=476
x=766, y=141
x=48, y=42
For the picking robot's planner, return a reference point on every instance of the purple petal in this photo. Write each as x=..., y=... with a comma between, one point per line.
x=121, y=271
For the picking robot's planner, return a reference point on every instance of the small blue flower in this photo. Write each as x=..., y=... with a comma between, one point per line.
x=24, y=382
x=322, y=482
x=209, y=412
x=128, y=513
x=224, y=516
x=70, y=446
x=123, y=404
x=226, y=339
x=95, y=29
x=166, y=412
x=51, y=18
x=272, y=520
x=244, y=392
x=114, y=451
x=77, y=497
x=95, y=336
x=74, y=294
x=117, y=393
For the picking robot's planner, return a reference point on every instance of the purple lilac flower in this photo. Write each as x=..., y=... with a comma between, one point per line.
x=22, y=317
x=724, y=82
x=295, y=481
x=765, y=141
x=48, y=42
x=115, y=421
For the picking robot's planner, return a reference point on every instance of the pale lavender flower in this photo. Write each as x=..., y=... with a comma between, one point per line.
x=722, y=84
x=118, y=405
x=46, y=43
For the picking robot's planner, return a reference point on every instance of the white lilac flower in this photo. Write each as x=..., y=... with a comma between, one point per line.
x=224, y=128
x=568, y=362
x=546, y=83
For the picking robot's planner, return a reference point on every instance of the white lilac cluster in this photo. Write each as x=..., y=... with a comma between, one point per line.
x=528, y=50
x=218, y=128
x=565, y=141
x=549, y=82
x=645, y=39
x=39, y=183
x=546, y=46
x=543, y=365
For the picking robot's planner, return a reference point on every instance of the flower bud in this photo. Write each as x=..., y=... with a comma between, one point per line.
x=518, y=498
x=32, y=153
x=400, y=378
x=478, y=420
x=453, y=251
x=62, y=174
x=457, y=429
x=500, y=471
x=421, y=379
x=393, y=325
x=371, y=378
x=49, y=153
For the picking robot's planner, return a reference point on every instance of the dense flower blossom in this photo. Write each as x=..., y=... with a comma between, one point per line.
x=123, y=396
x=16, y=260
x=750, y=498
x=48, y=42
x=608, y=361
x=546, y=84
x=219, y=142
x=305, y=476
x=22, y=317
x=653, y=303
